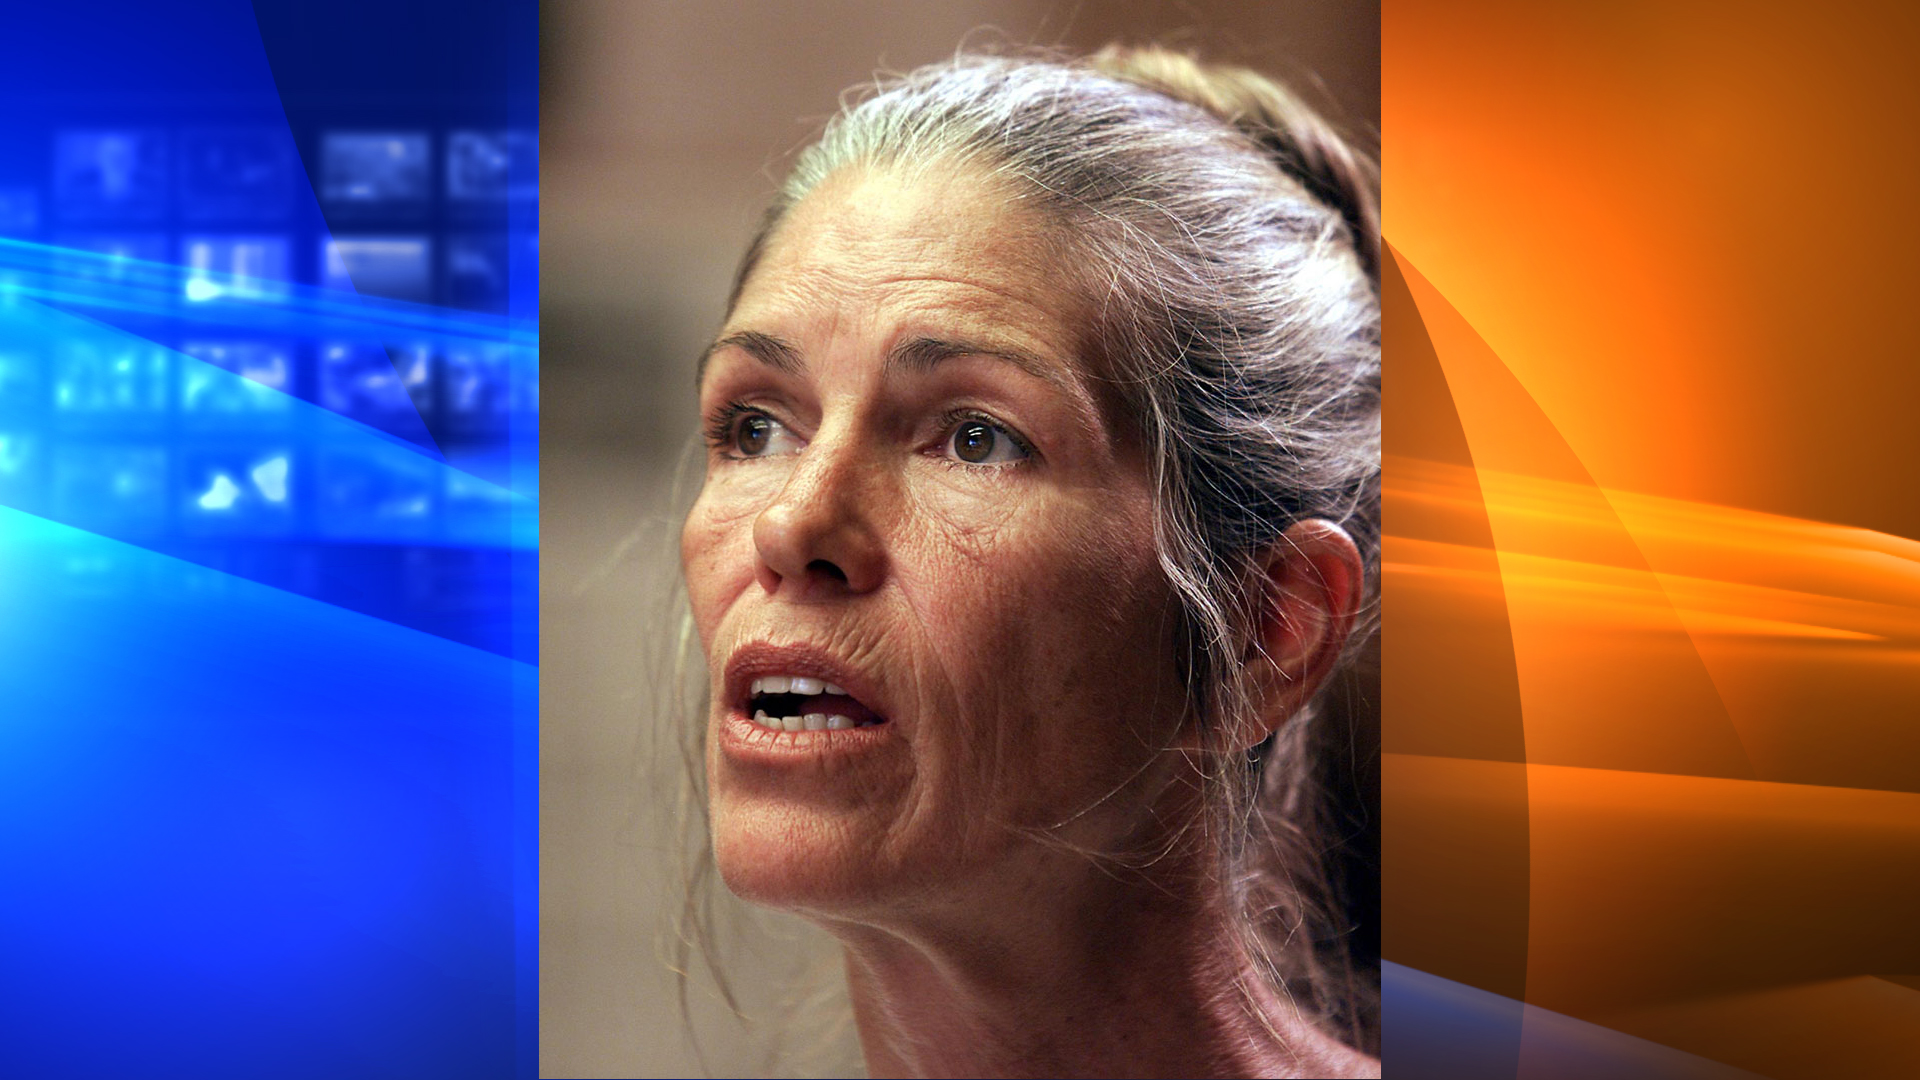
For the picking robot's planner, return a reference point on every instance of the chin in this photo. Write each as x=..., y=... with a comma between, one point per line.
x=792, y=859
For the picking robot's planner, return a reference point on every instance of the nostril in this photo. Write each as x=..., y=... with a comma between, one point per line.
x=822, y=566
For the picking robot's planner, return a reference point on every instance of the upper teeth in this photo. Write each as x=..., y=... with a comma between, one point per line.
x=793, y=684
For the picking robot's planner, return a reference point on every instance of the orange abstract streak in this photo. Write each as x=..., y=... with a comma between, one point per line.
x=1723, y=570
x=1780, y=610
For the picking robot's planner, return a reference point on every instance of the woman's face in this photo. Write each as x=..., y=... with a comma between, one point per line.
x=917, y=506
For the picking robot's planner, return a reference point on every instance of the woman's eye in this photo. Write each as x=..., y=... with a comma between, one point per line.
x=977, y=442
x=759, y=435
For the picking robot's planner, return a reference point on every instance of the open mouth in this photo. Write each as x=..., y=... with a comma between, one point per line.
x=802, y=703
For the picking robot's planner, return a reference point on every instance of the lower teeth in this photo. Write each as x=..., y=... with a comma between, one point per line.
x=810, y=722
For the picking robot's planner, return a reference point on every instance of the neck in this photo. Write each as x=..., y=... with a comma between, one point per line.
x=1130, y=981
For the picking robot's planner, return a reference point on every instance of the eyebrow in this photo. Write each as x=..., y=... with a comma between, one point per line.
x=916, y=355
x=923, y=354
x=765, y=348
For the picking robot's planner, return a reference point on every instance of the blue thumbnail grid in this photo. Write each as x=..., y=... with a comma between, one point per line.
x=385, y=296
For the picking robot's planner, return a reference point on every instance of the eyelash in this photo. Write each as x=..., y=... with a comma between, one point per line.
x=720, y=431
x=720, y=426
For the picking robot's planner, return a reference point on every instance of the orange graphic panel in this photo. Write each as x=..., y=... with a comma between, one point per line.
x=1651, y=603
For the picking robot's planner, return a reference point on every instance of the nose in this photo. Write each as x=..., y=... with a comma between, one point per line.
x=817, y=539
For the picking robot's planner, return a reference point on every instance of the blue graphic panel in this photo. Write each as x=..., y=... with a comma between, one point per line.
x=268, y=538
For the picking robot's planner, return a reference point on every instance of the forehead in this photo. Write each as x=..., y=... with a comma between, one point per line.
x=880, y=252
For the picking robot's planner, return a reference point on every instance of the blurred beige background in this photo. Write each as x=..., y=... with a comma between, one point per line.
x=663, y=126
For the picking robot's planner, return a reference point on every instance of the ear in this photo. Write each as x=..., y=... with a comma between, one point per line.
x=1314, y=582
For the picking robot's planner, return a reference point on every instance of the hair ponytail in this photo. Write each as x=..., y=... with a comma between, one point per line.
x=1303, y=144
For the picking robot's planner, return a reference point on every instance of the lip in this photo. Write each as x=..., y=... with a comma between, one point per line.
x=740, y=737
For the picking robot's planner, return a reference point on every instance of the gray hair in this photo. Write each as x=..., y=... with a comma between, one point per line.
x=1229, y=240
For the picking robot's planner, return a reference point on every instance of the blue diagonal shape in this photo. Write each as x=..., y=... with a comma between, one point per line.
x=246, y=830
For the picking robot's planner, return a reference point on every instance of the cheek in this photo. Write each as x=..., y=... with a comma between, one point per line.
x=1057, y=572
x=1048, y=616
x=716, y=553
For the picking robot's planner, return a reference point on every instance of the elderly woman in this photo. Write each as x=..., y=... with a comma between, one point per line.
x=1041, y=501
